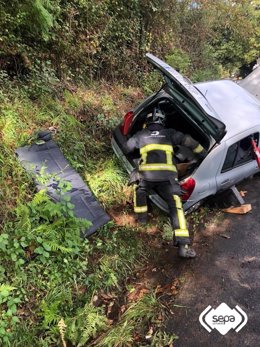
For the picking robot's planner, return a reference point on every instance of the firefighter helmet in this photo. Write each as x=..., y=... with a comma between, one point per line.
x=156, y=117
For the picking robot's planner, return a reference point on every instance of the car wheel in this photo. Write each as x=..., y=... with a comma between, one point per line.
x=195, y=206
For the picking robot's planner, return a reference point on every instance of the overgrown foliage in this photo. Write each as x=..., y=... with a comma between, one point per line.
x=55, y=287
x=50, y=41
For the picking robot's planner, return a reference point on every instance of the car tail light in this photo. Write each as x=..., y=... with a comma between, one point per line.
x=126, y=122
x=187, y=187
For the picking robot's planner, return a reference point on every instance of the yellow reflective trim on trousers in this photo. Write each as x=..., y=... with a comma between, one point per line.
x=140, y=209
x=156, y=147
x=156, y=167
x=177, y=201
x=181, y=233
x=198, y=149
x=169, y=157
x=181, y=219
x=180, y=213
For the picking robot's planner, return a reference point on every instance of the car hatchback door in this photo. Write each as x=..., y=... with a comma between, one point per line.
x=191, y=100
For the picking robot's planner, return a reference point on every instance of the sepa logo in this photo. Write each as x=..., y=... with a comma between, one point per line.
x=223, y=318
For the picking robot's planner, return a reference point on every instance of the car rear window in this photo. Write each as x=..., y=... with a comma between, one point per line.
x=240, y=152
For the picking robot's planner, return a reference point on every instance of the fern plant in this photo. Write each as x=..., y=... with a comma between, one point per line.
x=43, y=18
x=48, y=233
x=134, y=318
x=88, y=322
x=62, y=329
x=119, y=336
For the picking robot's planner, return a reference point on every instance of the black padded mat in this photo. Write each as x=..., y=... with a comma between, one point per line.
x=34, y=157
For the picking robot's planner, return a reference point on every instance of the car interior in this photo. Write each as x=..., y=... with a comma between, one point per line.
x=240, y=153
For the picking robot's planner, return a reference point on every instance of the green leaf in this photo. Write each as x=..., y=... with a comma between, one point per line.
x=66, y=198
x=3, y=245
x=9, y=312
x=21, y=261
x=5, y=289
x=16, y=244
x=70, y=214
x=15, y=319
x=39, y=250
x=70, y=205
x=46, y=246
x=46, y=254
x=5, y=293
x=16, y=300
x=13, y=308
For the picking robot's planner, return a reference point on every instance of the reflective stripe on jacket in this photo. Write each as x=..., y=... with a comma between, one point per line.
x=156, y=150
x=156, y=145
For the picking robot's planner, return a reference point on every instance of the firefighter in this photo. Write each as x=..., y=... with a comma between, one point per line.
x=157, y=172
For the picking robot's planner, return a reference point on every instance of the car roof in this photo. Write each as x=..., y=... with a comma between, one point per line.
x=235, y=107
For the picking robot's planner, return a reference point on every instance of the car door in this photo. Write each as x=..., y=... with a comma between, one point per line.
x=192, y=101
x=239, y=161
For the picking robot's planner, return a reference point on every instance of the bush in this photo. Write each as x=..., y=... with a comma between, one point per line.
x=179, y=60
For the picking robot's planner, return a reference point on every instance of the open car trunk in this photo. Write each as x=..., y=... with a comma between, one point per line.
x=177, y=119
x=185, y=93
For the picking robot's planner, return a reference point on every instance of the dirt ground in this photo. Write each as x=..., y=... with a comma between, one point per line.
x=227, y=270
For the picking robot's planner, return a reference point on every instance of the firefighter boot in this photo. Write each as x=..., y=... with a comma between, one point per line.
x=186, y=252
x=142, y=218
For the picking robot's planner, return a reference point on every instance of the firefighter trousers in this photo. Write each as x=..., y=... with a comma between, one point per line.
x=170, y=193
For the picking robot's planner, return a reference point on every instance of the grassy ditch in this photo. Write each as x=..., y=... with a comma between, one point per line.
x=55, y=288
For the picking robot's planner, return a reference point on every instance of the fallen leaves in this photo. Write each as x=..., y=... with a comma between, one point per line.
x=138, y=293
x=169, y=289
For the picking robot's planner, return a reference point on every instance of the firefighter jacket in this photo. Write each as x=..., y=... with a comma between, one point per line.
x=156, y=146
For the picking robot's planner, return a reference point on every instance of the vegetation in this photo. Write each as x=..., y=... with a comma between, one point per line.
x=56, y=287
x=84, y=39
x=75, y=67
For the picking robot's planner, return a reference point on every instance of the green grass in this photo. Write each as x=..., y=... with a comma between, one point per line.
x=48, y=274
x=138, y=316
x=108, y=180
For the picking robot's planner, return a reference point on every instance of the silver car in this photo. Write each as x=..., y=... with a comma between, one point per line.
x=222, y=116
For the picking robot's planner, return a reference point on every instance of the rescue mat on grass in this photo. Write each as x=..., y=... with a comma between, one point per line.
x=48, y=156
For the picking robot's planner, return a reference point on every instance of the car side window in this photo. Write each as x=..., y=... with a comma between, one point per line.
x=240, y=153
